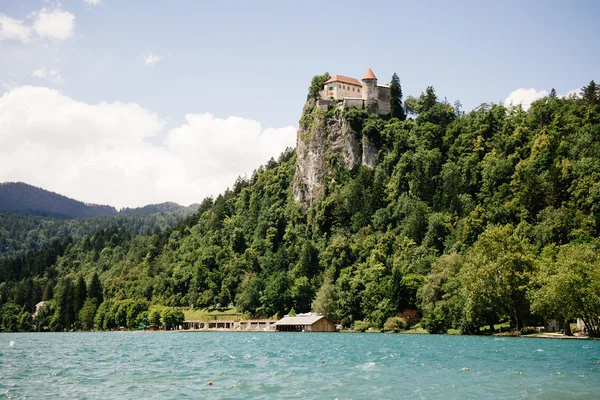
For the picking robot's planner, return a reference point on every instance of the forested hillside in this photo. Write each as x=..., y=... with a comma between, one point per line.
x=467, y=220
x=20, y=233
x=23, y=198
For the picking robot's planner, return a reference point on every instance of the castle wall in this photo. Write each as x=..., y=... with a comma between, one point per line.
x=383, y=98
x=354, y=103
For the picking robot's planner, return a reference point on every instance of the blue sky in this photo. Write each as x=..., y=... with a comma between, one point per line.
x=254, y=59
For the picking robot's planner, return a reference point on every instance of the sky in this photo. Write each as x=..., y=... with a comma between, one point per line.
x=135, y=102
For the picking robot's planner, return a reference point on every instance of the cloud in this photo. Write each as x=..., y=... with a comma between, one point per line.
x=54, y=24
x=101, y=153
x=151, y=58
x=13, y=29
x=47, y=73
x=93, y=3
x=524, y=97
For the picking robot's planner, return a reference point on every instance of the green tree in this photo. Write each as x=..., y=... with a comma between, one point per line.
x=495, y=278
x=94, y=290
x=568, y=286
x=396, y=105
x=325, y=301
x=316, y=85
x=87, y=314
x=64, y=316
x=591, y=93
x=79, y=294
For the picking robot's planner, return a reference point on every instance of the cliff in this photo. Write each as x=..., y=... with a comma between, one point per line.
x=327, y=140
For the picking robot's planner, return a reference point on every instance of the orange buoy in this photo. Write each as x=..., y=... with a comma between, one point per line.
x=209, y=383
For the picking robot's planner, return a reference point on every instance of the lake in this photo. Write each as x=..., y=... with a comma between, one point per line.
x=142, y=365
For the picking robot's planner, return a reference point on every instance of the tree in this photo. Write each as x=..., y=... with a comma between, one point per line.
x=325, y=302
x=64, y=315
x=396, y=105
x=495, y=277
x=25, y=321
x=79, y=294
x=591, y=93
x=552, y=94
x=87, y=314
x=441, y=301
x=427, y=100
x=95, y=289
x=9, y=317
x=48, y=291
x=316, y=85
x=569, y=286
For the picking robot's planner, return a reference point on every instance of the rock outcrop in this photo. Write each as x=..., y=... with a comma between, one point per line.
x=325, y=139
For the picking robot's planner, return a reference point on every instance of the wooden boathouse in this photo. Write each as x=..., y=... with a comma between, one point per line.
x=308, y=323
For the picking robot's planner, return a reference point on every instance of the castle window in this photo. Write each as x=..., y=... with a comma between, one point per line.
x=353, y=89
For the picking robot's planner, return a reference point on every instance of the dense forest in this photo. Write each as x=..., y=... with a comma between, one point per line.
x=467, y=220
x=20, y=233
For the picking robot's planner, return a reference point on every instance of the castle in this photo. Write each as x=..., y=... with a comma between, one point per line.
x=353, y=94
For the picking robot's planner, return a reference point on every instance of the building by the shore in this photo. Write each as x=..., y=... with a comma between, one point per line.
x=231, y=325
x=305, y=323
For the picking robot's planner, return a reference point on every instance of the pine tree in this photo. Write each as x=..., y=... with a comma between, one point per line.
x=95, y=289
x=396, y=108
x=591, y=93
x=79, y=295
x=48, y=291
x=64, y=316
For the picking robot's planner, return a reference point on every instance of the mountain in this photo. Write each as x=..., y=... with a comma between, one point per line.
x=459, y=220
x=27, y=199
x=19, y=197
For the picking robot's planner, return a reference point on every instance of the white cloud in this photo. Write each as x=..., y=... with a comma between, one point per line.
x=93, y=2
x=151, y=58
x=100, y=153
x=524, y=97
x=47, y=73
x=54, y=24
x=13, y=29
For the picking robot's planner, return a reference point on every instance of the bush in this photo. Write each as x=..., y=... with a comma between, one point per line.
x=410, y=316
x=394, y=324
x=435, y=322
x=361, y=326
x=528, y=330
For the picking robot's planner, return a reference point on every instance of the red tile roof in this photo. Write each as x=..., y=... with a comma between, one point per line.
x=369, y=75
x=344, y=79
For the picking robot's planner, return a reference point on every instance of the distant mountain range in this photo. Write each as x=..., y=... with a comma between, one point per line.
x=19, y=197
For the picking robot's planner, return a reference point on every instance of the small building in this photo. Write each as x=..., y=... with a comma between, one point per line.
x=305, y=323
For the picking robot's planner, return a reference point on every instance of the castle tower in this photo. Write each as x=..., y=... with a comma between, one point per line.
x=369, y=85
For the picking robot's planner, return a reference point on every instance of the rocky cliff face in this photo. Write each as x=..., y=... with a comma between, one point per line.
x=326, y=139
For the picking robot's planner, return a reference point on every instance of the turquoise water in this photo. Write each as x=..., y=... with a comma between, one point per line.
x=136, y=365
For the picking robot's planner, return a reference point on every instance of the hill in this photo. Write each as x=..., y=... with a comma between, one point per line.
x=19, y=197
x=27, y=199
x=464, y=219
